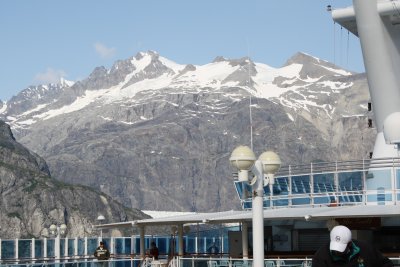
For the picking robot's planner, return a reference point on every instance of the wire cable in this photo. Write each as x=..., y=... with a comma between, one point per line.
x=334, y=42
x=347, y=49
x=341, y=44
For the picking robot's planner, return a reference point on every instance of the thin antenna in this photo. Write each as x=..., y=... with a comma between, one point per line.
x=329, y=9
x=250, y=111
x=347, y=49
x=251, y=125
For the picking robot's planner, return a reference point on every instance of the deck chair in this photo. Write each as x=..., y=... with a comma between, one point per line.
x=224, y=263
x=239, y=264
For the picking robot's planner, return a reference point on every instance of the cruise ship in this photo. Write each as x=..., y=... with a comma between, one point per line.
x=287, y=211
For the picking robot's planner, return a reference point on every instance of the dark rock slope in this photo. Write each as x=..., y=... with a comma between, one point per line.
x=31, y=200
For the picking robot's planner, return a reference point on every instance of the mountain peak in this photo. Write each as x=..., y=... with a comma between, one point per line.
x=301, y=58
x=244, y=61
x=152, y=54
x=66, y=83
x=315, y=67
x=219, y=59
x=234, y=62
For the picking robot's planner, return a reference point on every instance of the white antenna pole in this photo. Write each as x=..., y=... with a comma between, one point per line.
x=251, y=126
x=248, y=84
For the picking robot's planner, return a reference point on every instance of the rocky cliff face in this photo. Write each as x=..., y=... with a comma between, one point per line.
x=157, y=135
x=30, y=200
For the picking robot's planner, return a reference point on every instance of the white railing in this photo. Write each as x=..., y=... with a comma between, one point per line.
x=179, y=262
x=239, y=262
x=331, y=183
x=338, y=166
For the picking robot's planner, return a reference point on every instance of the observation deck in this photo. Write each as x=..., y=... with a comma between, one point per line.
x=357, y=182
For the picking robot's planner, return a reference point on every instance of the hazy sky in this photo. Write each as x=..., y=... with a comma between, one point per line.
x=43, y=40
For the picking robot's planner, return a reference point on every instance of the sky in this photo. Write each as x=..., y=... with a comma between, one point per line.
x=44, y=40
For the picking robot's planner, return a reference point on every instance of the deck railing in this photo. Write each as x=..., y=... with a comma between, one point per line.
x=338, y=166
x=356, y=182
x=177, y=262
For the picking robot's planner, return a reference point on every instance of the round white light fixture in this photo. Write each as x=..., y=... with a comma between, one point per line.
x=243, y=159
x=63, y=229
x=53, y=229
x=391, y=128
x=271, y=163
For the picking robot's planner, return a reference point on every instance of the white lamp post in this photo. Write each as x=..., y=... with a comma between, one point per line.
x=57, y=231
x=101, y=218
x=264, y=168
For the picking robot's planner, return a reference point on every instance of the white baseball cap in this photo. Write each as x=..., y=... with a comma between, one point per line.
x=340, y=237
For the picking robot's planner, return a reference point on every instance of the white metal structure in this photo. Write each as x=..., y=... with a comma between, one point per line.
x=377, y=24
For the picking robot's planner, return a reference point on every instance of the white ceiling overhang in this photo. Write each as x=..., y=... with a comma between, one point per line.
x=346, y=16
x=311, y=213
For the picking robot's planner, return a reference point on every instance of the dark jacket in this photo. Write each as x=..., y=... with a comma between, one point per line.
x=154, y=251
x=361, y=255
x=102, y=253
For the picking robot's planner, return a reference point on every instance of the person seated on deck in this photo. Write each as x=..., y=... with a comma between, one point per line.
x=213, y=249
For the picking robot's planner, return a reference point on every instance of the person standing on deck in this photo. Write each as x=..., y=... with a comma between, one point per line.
x=102, y=254
x=154, y=251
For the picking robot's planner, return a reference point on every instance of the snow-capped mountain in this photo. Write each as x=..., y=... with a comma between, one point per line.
x=156, y=135
x=149, y=71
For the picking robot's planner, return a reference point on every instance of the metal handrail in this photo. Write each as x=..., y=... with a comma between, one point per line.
x=338, y=166
x=226, y=261
x=294, y=192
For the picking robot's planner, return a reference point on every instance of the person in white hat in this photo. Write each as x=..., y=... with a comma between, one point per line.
x=342, y=250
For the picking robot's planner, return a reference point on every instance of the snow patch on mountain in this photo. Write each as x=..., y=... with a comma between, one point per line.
x=39, y=107
x=67, y=83
x=335, y=85
x=141, y=63
x=26, y=122
x=266, y=75
x=106, y=118
x=3, y=108
x=209, y=75
x=81, y=102
x=172, y=65
x=340, y=72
